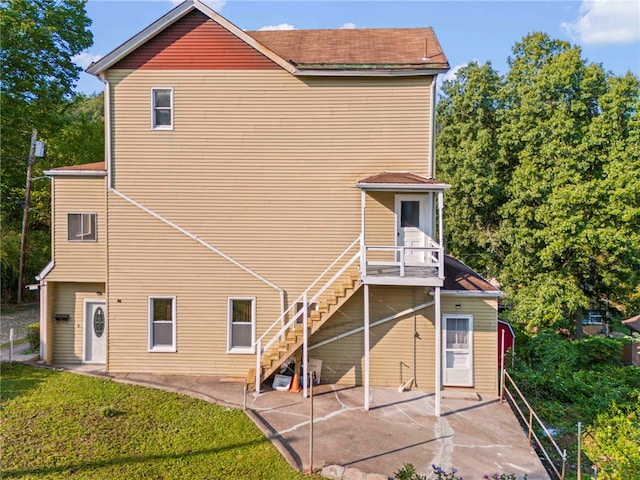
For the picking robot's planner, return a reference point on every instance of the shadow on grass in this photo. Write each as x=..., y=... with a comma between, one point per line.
x=19, y=379
x=92, y=466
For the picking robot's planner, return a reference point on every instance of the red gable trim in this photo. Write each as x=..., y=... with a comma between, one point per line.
x=195, y=42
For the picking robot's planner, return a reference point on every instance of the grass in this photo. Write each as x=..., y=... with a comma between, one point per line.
x=63, y=425
x=15, y=343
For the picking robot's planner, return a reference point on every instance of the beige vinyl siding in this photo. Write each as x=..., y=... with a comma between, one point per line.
x=262, y=164
x=149, y=258
x=79, y=261
x=485, y=338
x=392, y=343
x=392, y=356
x=68, y=335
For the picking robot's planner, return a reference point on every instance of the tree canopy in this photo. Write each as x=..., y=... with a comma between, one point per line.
x=39, y=40
x=544, y=164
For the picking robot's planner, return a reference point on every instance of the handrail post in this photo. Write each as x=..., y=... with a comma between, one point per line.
x=258, y=366
x=402, y=261
x=530, y=424
x=502, y=368
x=305, y=347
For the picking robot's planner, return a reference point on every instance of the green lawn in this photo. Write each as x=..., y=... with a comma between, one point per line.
x=62, y=425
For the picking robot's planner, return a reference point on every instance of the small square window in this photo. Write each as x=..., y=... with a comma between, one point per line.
x=162, y=108
x=81, y=227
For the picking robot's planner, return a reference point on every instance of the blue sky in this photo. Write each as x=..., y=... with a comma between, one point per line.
x=608, y=31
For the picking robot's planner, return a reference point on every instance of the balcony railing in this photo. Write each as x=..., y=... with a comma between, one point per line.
x=406, y=264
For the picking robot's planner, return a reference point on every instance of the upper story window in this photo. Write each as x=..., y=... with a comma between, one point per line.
x=81, y=227
x=162, y=108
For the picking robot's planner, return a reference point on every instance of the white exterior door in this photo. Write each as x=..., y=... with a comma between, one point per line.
x=95, y=332
x=411, y=218
x=458, y=350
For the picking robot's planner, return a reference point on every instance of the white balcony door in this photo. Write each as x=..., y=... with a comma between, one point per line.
x=95, y=332
x=458, y=350
x=412, y=226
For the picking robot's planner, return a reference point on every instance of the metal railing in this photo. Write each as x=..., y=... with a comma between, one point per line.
x=531, y=420
x=406, y=256
x=303, y=302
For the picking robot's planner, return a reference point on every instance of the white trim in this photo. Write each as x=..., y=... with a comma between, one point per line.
x=404, y=187
x=402, y=71
x=169, y=19
x=472, y=293
x=164, y=348
x=367, y=347
x=153, y=106
x=241, y=350
x=45, y=271
x=82, y=240
x=85, y=331
x=445, y=318
x=432, y=133
x=75, y=173
x=438, y=362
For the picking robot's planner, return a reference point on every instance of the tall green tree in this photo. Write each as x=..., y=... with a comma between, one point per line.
x=39, y=40
x=468, y=159
x=558, y=189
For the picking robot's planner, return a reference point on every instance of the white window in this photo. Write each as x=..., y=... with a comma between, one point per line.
x=162, y=108
x=242, y=324
x=81, y=227
x=162, y=324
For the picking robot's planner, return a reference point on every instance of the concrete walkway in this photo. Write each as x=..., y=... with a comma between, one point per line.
x=475, y=435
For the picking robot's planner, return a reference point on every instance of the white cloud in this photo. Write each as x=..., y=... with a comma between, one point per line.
x=85, y=58
x=452, y=73
x=348, y=26
x=606, y=22
x=282, y=26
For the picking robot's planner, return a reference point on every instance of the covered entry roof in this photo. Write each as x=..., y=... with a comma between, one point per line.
x=400, y=182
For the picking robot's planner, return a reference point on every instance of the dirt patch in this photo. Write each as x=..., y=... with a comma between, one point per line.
x=18, y=318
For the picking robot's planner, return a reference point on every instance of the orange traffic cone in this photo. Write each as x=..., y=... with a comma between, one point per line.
x=295, y=381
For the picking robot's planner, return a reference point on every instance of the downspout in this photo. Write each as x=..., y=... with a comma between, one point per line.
x=107, y=154
x=111, y=189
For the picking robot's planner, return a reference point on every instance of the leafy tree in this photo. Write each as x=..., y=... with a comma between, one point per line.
x=544, y=167
x=39, y=40
x=469, y=160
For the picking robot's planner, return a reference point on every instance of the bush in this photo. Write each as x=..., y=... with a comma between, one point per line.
x=612, y=442
x=597, y=351
x=33, y=336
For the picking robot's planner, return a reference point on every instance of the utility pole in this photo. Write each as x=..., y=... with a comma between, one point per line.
x=25, y=216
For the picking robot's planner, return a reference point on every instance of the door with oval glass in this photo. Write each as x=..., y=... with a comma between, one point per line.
x=95, y=331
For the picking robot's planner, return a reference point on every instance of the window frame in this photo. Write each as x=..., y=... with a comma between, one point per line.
x=162, y=348
x=81, y=238
x=230, y=347
x=154, y=125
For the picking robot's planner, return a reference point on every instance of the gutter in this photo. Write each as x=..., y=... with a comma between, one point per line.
x=472, y=293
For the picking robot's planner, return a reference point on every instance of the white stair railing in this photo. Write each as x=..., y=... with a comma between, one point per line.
x=305, y=301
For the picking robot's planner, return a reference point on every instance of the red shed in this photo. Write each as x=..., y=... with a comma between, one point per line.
x=505, y=331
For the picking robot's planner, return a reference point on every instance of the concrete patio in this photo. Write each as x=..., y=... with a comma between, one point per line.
x=477, y=436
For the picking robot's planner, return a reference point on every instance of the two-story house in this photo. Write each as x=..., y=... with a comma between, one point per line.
x=264, y=193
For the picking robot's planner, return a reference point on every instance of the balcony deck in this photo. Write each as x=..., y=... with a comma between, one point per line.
x=402, y=269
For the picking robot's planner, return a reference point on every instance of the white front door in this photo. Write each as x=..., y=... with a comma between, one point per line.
x=458, y=350
x=412, y=227
x=95, y=331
